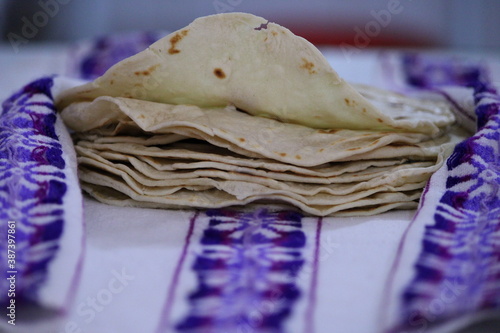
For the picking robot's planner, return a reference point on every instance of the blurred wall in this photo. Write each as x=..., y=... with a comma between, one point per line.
x=441, y=23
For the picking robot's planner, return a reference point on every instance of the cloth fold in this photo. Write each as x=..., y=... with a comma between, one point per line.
x=40, y=203
x=454, y=239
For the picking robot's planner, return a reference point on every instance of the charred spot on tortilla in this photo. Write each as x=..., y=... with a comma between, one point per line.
x=262, y=26
x=176, y=39
x=219, y=73
x=308, y=65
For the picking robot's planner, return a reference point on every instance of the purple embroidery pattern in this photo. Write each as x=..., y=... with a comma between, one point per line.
x=424, y=72
x=32, y=188
x=94, y=60
x=458, y=270
x=246, y=272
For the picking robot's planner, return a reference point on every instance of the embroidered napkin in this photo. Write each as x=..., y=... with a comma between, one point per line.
x=269, y=269
x=454, y=239
x=40, y=204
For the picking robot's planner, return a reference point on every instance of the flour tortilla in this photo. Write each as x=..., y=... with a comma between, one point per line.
x=256, y=66
x=248, y=135
x=149, y=177
x=199, y=155
x=239, y=189
x=151, y=140
x=364, y=172
x=207, y=187
x=213, y=198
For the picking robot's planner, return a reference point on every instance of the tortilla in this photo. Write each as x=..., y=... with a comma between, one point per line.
x=374, y=204
x=328, y=174
x=344, y=173
x=249, y=135
x=254, y=65
x=148, y=176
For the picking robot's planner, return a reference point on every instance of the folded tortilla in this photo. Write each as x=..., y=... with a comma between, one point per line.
x=254, y=65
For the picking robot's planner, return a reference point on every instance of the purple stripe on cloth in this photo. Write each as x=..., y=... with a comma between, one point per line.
x=458, y=269
x=386, y=296
x=33, y=186
x=246, y=272
x=313, y=288
x=167, y=308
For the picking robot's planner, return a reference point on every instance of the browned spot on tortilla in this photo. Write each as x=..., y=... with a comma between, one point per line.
x=355, y=148
x=274, y=33
x=321, y=150
x=111, y=82
x=308, y=65
x=350, y=102
x=127, y=95
x=219, y=73
x=283, y=154
x=176, y=39
x=242, y=140
x=298, y=157
x=141, y=116
x=364, y=110
x=147, y=71
x=152, y=68
x=380, y=120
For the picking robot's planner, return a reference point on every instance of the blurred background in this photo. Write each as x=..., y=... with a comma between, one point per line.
x=452, y=24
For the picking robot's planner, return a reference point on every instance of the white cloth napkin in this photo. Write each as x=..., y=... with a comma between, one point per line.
x=268, y=270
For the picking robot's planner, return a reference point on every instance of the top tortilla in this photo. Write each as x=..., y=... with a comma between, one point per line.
x=245, y=61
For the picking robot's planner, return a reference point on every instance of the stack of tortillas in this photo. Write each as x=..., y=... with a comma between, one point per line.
x=233, y=110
